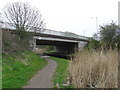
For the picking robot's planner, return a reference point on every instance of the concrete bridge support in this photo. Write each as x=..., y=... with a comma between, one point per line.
x=81, y=45
x=33, y=44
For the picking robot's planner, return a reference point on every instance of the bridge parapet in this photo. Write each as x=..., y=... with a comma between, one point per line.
x=45, y=31
x=64, y=34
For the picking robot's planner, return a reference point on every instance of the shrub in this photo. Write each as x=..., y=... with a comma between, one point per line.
x=12, y=42
x=93, y=44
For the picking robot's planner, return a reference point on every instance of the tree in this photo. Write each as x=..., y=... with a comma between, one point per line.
x=96, y=36
x=93, y=44
x=24, y=17
x=108, y=35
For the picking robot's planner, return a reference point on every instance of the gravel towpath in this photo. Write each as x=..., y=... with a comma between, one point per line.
x=44, y=77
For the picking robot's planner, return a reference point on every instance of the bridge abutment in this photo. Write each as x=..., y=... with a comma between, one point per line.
x=81, y=45
x=33, y=44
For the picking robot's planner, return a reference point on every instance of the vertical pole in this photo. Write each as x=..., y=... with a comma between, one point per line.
x=96, y=25
x=83, y=32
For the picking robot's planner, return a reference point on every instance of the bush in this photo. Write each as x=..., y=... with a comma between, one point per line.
x=110, y=35
x=93, y=44
x=50, y=49
x=12, y=43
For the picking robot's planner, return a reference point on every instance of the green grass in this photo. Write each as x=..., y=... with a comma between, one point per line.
x=61, y=72
x=0, y=71
x=18, y=69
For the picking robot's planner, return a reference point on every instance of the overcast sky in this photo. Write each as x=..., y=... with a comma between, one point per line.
x=74, y=15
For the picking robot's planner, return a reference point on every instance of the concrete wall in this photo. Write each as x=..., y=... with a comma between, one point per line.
x=33, y=44
x=81, y=45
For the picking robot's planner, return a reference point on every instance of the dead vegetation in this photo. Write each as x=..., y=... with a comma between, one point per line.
x=11, y=43
x=94, y=69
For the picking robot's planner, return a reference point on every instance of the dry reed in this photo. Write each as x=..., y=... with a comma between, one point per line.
x=94, y=69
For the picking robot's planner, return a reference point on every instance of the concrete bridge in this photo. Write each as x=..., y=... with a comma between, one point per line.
x=64, y=42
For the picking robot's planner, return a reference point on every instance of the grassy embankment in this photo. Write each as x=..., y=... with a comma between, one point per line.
x=0, y=71
x=19, y=68
x=94, y=69
x=61, y=72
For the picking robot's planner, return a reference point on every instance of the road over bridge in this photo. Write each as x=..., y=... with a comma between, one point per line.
x=64, y=42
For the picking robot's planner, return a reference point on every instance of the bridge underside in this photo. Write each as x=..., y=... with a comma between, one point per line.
x=60, y=46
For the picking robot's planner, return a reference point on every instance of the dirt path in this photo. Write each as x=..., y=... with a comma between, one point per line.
x=44, y=77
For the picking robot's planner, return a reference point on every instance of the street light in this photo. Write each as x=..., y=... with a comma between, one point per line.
x=96, y=25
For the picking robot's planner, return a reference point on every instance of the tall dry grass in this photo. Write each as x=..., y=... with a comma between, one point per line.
x=94, y=69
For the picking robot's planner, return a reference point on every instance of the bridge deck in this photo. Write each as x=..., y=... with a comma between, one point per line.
x=49, y=33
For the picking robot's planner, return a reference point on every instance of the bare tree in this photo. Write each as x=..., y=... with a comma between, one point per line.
x=24, y=17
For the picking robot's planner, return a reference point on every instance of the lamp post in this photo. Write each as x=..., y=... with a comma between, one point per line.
x=96, y=25
x=83, y=32
x=0, y=16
